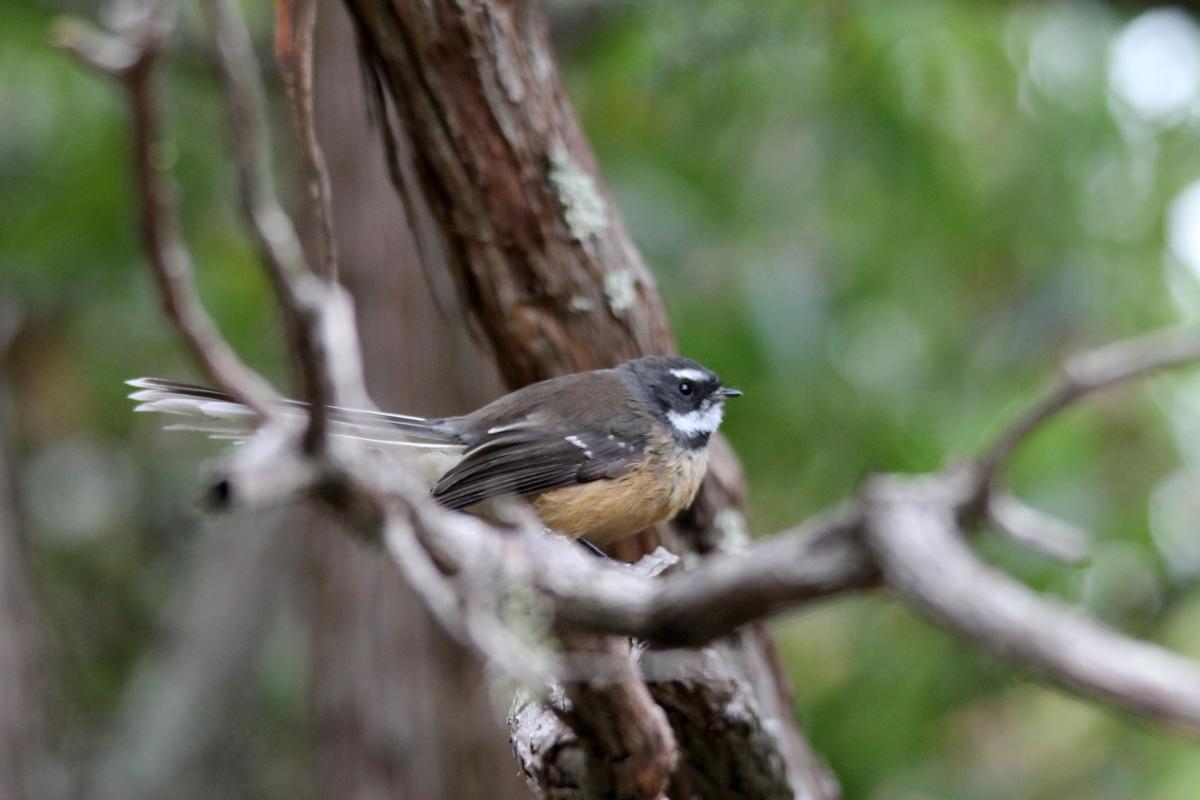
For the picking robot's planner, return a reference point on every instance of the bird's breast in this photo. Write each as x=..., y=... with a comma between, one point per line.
x=657, y=489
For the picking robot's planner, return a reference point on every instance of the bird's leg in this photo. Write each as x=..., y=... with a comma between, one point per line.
x=593, y=549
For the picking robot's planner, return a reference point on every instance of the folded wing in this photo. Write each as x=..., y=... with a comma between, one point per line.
x=526, y=460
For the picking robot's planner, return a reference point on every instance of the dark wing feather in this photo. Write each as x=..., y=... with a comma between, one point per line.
x=529, y=461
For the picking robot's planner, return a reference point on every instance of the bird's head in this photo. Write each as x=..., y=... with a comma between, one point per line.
x=686, y=395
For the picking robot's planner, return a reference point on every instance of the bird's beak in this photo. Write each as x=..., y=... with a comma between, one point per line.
x=728, y=392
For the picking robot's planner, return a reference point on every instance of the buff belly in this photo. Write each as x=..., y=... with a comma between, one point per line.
x=607, y=510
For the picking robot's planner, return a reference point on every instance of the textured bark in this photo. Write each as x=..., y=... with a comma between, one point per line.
x=727, y=749
x=724, y=745
x=631, y=750
x=541, y=258
x=399, y=710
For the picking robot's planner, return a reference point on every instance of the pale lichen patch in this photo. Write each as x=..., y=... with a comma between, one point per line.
x=732, y=526
x=620, y=287
x=506, y=65
x=580, y=304
x=543, y=65
x=584, y=208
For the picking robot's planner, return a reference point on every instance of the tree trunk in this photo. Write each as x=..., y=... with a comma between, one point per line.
x=400, y=711
x=539, y=253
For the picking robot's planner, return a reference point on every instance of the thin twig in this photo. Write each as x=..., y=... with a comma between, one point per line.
x=1086, y=373
x=130, y=59
x=1037, y=530
x=299, y=292
x=295, y=20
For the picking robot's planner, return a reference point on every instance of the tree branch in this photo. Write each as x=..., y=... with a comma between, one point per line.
x=1086, y=373
x=820, y=558
x=130, y=58
x=919, y=548
x=725, y=739
x=632, y=747
x=909, y=531
x=295, y=20
x=298, y=291
x=1038, y=531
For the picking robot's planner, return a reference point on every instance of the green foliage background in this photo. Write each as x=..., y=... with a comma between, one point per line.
x=886, y=221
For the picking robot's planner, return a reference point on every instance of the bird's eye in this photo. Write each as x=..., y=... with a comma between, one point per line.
x=685, y=387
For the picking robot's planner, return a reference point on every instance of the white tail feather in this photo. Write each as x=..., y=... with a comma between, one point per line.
x=219, y=417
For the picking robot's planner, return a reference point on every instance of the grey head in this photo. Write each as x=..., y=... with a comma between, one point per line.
x=686, y=395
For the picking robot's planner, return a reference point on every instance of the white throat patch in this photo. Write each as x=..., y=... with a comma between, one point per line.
x=701, y=421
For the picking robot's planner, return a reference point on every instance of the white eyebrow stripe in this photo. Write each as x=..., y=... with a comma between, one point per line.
x=689, y=374
x=705, y=420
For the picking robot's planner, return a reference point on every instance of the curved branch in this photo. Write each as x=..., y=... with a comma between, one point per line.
x=905, y=533
x=919, y=548
x=818, y=559
x=1089, y=372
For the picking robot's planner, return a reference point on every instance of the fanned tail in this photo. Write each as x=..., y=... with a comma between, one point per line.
x=217, y=414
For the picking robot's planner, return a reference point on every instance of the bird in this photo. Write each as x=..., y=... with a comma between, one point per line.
x=600, y=455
